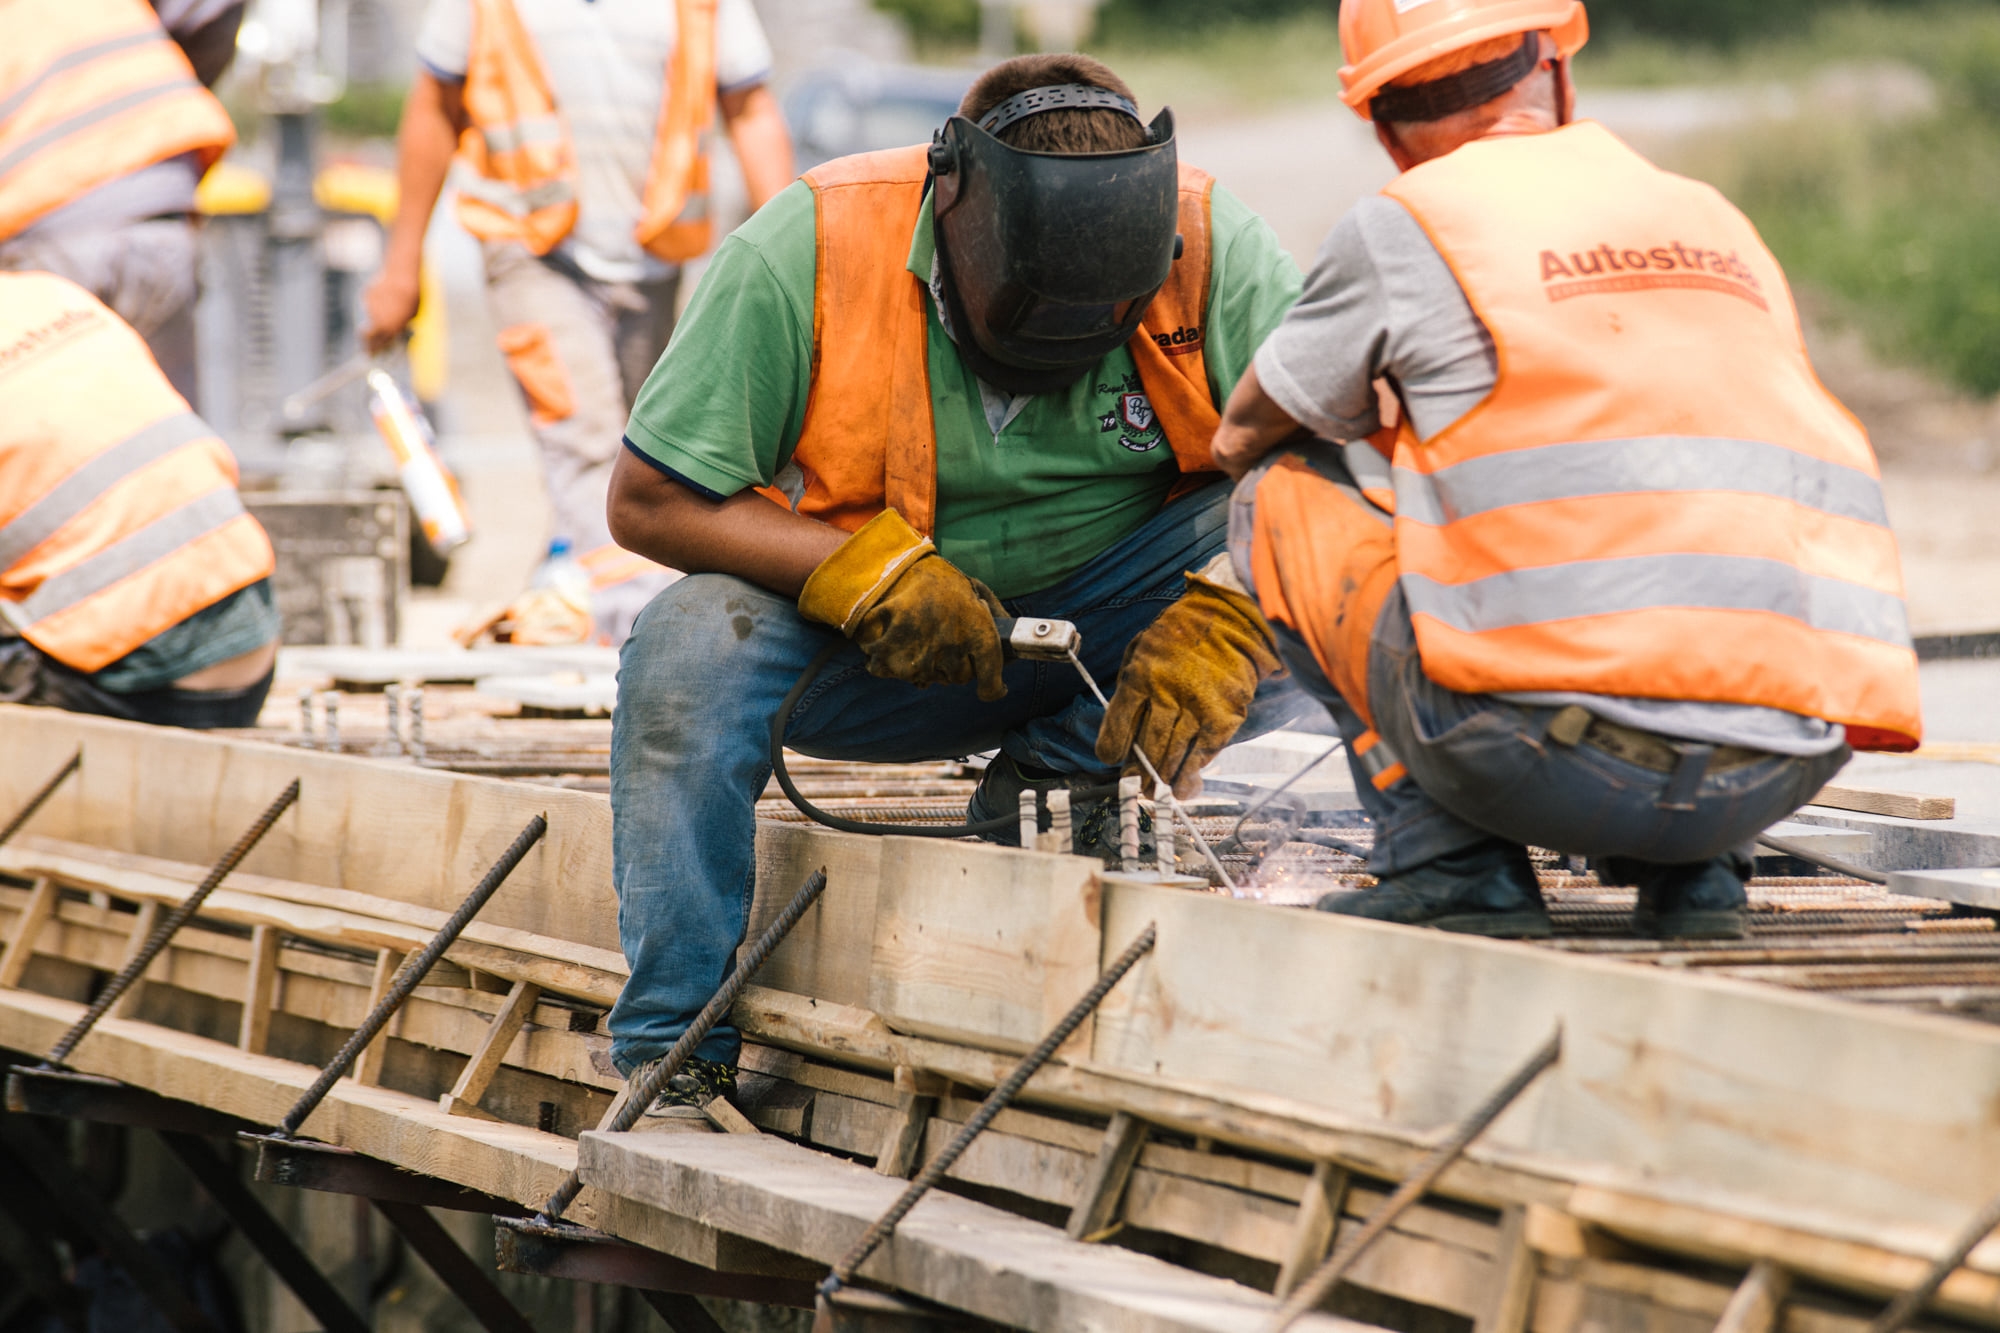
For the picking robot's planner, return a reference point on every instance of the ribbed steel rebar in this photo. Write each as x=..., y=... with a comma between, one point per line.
x=996, y=1102
x=1321, y=1284
x=170, y=924
x=1910, y=1304
x=35, y=802
x=641, y=1091
x=411, y=974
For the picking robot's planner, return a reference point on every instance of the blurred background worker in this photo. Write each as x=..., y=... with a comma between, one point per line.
x=581, y=130
x=106, y=127
x=1629, y=591
x=132, y=582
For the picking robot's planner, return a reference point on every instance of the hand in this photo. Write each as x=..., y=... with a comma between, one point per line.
x=1187, y=683
x=914, y=615
x=390, y=303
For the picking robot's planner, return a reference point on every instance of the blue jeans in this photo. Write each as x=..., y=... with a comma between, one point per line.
x=712, y=657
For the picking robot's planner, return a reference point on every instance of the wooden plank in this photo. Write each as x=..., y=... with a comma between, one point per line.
x=485, y=1061
x=1096, y=1213
x=41, y=905
x=1759, y=1302
x=260, y=990
x=368, y=1065
x=902, y=1142
x=725, y=1117
x=143, y=922
x=1514, y=1278
x=1878, y=801
x=951, y=1250
x=1314, y=1229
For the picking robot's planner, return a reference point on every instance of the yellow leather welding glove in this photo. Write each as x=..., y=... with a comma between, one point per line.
x=912, y=613
x=1187, y=683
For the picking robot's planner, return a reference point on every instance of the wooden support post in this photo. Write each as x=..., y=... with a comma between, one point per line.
x=1314, y=1227
x=1758, y=1302
x=260, y=991
x=143, y=922
x=727, y=1118
x=1514, y=1270
x=368, y=1065
x=473, y=1080
x=1096, y=1213
x=27, y=928
x=902, y=1147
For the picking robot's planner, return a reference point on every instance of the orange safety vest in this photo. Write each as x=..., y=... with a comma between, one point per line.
x=867, y=442
x=1658, y=499
x=119, y=516
x=91, y=90
x=520, y=183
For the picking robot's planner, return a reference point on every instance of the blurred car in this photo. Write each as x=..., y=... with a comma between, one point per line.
x=860, y=106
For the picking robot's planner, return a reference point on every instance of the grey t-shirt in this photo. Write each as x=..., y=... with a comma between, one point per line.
x=1382, y=304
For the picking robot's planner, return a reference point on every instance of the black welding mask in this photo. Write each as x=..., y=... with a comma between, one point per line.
x=1049, y=260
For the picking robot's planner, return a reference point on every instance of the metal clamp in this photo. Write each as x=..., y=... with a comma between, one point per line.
x=1039, y=639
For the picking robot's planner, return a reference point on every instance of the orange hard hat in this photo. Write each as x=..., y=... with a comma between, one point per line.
x=1386, y=39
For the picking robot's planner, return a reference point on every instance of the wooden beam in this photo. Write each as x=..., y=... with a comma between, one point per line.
x=1877, y=801
x=143, y=922
x=1514, y=1278
x=1758, y=1303
x=1096, y=1213
x=726, y=1117
x=368, y=1065
x=260, y=989
x=903, y=1141
x=485, y=1061
x=1315, y=1227
x=27, y=929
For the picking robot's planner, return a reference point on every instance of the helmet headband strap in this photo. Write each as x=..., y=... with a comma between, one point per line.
x=1457, y=92
x=1057, y=97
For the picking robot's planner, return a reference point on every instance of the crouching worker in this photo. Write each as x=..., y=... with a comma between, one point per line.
x=1619, y=581
x=996, y=384
x=133, y=583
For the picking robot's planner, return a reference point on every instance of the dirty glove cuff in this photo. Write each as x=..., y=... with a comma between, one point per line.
x=862, y=569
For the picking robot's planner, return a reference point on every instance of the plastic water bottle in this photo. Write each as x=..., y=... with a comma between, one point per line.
x=432, y=490
x=563, y=574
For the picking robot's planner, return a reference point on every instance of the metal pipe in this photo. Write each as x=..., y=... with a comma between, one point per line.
x=411, y=974
x=1321, y=1284
x=169, y=925
x=1911, y=1303
x=35, y=802
x=647, y=1084
x=996, y=1102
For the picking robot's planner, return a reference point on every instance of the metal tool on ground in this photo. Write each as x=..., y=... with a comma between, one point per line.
x=41, y=796
x=1321, y=1284
x=652, y=1080
x=1910, y=1304
x=170, y=925
x=996, y=1102
x=410, y=975
x=1821, y=859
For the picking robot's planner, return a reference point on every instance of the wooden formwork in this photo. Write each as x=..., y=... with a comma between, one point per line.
x=1263, y=1077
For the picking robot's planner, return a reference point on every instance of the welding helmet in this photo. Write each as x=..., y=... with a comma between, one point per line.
x=1386, y=39
x=1048, y=261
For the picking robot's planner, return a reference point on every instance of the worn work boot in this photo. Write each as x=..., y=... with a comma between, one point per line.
x=1488, y=889
x=693, y=1086
x=1701, y=901
x=1093, y=820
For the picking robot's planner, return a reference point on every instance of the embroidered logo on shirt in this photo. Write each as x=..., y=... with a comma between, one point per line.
x=1138, y=426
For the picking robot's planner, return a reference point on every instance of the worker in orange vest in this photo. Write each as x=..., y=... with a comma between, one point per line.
x=1599, y=566
x=133, y=583
x=581, y=134
x=987, y=371
x=106, y=127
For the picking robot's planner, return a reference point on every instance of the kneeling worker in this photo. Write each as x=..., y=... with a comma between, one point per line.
x=1628, y=590
x=133, y=583
x=997, y=385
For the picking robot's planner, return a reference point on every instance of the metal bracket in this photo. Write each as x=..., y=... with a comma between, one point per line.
x=559, y=1249
x=72, y=1096
x=321, y=1166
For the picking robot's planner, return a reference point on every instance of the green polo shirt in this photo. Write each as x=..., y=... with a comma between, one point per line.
x=1067, y=475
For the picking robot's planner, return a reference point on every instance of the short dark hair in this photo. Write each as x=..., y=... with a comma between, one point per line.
x=1066, y=131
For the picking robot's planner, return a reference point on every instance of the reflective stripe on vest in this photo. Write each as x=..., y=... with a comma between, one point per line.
x=154, y=542
x=1658, y=499
x=91, y=90
x=868, y=441
x=81, y=489
x=528, y=132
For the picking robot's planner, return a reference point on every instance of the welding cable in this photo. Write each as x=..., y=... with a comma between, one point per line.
x=1236, y=834
x=977, y=829
x=1824, y=862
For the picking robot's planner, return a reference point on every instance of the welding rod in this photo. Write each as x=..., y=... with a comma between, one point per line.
x=996, y=1102
x=410, y=975
x=1180, y=812
x=35, y=802
x=641, y=1090
x=1910, y=1304
x=1321, y=1284
x=170, y=925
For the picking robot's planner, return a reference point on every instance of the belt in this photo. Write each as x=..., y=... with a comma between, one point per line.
x=1576, y=725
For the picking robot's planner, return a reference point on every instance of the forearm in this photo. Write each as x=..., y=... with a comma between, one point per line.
x=763, y=145
x=426, y=141
x=745, y=535
x=1252, y=425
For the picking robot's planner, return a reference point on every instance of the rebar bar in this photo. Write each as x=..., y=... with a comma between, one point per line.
x=170, y=925
x=1165, y=859
x=1911, y=1303
x=996, y=1102
x=648, y=1083
x=35, y=802
x=1321, y=1284
x=411, y=974
x=1128, y=823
